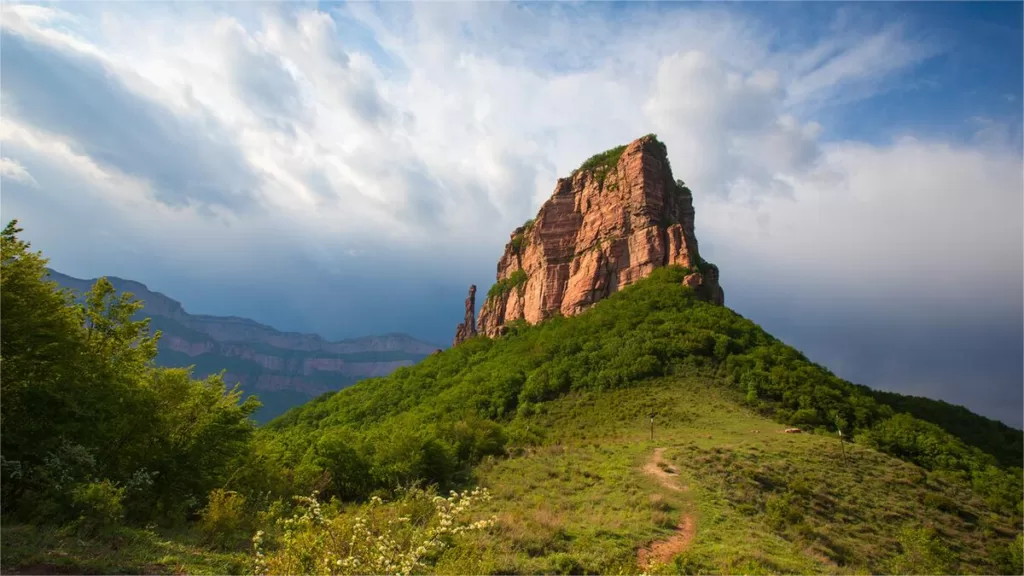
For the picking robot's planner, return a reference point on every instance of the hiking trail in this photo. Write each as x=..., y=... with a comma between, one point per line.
x=661, y=551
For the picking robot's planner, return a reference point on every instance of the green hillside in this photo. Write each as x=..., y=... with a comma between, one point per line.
x=571, y=398
x=111, y=464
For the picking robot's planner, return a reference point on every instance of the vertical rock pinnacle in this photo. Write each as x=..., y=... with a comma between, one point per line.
x=467, y=329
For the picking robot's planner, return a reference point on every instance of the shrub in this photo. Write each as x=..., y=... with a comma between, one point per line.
x=604, y=160
x=1009, y=558
x=922, y=553
x=517, y=242
x=223, y=521
x=99, y=505
x=782, y=511
x=404, y=536
x=503, y=287
x=562, y=563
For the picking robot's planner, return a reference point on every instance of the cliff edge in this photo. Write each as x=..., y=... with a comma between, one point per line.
x=609, y=224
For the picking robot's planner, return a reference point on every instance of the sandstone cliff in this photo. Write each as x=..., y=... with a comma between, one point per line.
x=283, y=368
x=467, y=329
x=612, y=222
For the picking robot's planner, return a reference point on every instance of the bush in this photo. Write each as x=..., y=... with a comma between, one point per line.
x=782, y=511
x=223, y=521
x=603, y=161
x=99, y=505
x=562, y=563
x=922, y=553
x=1009, y=558
x=405, y=536
x=504, y=287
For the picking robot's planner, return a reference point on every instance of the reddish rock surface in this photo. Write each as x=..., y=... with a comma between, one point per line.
x=467, y=329
x=603, y=228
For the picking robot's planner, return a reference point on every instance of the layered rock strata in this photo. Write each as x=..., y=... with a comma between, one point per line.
x=611, y=223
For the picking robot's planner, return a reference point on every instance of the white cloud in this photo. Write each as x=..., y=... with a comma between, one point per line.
x=12, y=170
x=450, y=126
x=853, y=67
x=939, y=223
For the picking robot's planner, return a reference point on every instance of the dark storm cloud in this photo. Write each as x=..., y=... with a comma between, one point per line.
x=74, y=95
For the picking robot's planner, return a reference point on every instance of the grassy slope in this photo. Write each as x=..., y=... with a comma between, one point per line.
x=766, y=502
x=580, y=503
x=31, y=549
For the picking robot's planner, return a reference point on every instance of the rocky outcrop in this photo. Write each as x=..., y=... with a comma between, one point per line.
x=283, y=368
x=705, y=284
x=467, y=329
x=612, y=222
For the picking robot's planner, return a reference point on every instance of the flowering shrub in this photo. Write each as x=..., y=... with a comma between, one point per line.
x=401, y=537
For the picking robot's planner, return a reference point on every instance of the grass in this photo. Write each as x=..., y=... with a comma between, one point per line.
x=575, y=500
x=763, y=502
x=602, y=161
x=600, y=164
x=29, y=549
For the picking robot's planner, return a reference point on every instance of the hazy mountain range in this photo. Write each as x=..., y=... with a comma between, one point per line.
x=283, y=368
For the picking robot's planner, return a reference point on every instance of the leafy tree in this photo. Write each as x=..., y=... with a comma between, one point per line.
x=85, y=413
x=39, y=352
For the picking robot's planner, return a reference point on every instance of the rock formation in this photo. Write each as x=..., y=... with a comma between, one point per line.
x=467, y=329
x=283, y=368
x=612, y=222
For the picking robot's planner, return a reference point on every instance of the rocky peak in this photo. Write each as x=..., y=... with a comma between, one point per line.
x=610, y=223
x=467, y=329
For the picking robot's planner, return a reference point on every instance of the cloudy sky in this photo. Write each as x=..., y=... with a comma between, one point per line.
x=350, y=169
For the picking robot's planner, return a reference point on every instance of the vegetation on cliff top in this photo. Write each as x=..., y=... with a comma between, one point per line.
x=100, y=446
x=518, y=239
x=504, y=287
x=600, y=164
x=603, y=161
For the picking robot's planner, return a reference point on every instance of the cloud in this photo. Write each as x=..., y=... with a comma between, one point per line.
x=841, y=71
x=12, y=170
x=77, y=97
x=916, y=219
x=350, y=166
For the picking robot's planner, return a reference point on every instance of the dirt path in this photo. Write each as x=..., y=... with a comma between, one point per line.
x=665, y=473
x=661, y=551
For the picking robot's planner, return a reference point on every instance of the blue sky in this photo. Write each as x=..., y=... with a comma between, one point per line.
x=351, y=168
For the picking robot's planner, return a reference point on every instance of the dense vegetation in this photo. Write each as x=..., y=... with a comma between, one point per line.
x=653, y=328
x=97, y=440
x=92, y=432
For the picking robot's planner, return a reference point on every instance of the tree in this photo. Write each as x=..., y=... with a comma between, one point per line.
x=39, y=347
x=84, y=405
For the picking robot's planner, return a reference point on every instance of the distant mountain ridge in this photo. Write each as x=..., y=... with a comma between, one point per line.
x=283, y=368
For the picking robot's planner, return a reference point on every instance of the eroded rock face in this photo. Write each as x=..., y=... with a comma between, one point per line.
x=605, y=227
x=263, y=360
x=467, y=329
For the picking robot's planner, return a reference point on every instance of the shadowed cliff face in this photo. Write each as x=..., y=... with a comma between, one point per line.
x=612, y=222
x=283, y=368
